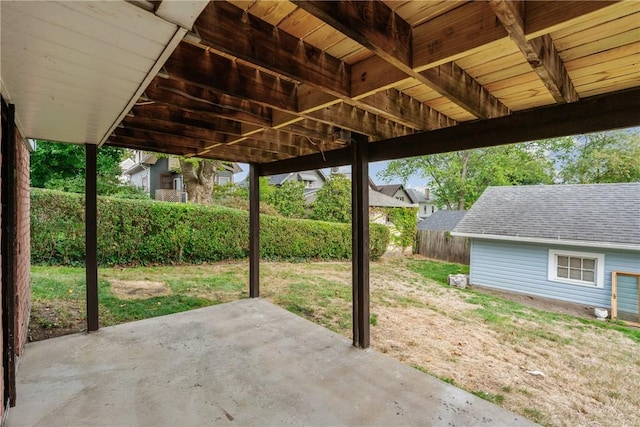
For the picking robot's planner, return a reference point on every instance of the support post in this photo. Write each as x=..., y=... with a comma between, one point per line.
x=9, y=250
x=254, y=231
x=360, y=242
x=91, y=236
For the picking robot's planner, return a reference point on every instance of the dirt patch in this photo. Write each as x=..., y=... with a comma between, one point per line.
x=54, y=319
x=137, y=289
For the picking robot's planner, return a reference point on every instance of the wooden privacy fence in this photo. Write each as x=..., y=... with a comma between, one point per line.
x=441, y=245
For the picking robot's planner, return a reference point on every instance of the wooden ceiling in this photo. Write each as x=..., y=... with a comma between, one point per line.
x=262, y=81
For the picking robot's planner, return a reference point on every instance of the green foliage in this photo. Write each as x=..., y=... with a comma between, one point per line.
x=459, y=178
x=406, y=222
x=333, y=200
x=437, y=270
x=147, y=232
x=288, y=199
x=604, y=157
x=60, y=166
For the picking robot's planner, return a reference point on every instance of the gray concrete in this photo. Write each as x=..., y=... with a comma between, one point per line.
x=245, y=363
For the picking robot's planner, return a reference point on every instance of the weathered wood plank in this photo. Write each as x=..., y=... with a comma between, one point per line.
x=183, y=125
x=196, y=67
x=545, y=17
x=265, y=45
x=372, y=24
x=540, y=52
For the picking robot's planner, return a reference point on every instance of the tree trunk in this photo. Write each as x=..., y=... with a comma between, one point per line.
x=198, y=179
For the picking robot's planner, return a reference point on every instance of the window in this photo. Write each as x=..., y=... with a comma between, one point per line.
x=576, y=268
x=224, y=180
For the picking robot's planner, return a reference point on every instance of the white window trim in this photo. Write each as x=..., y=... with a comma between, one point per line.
x=552, y=267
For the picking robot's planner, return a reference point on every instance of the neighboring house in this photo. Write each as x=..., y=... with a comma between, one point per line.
x=426, y=205
x=160, y=176
x=378, y=201
x=442, y=220
x=313, y=180
x=414, y=197
x=557, y=241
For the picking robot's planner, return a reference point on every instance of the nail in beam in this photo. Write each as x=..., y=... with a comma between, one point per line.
x=360, y=240
x=91, y=236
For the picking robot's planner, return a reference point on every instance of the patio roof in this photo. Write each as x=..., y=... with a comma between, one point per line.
x=247, y=362
x=262, y=81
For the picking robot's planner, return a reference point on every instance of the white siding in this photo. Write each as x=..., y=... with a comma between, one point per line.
x=521, y=267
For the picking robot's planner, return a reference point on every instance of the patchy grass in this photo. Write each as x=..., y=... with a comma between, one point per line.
x=482, y=343
x=436, y=270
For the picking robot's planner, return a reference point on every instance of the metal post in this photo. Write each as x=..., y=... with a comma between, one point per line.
x=91, y=236
x=360, y=243
x=254, y=232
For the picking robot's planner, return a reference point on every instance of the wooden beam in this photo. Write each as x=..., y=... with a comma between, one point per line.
x=389, y=36
x=219, y=152
x=404, y=109
x=209, y=71
x=8, y=249
x=164, y=114
x=165, y=138
x=463, y=90
x=540, y=52
x=328, y=159
x=218, y=105
x=91, y=236
x=357, y=120
x=360, y=240
x=599, y=113
x=545, y=17
x=173, y=128
x=372, y=24
x=254, y=232
x=265, y=45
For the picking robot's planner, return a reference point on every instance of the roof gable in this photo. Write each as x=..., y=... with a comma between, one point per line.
x=589, y=213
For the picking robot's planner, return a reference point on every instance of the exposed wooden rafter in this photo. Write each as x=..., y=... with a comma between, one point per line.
x=375, y=25
x=540, y=52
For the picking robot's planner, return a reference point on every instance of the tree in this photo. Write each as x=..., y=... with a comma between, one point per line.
x=288, y=199
x=604, y=157
x=197, y=175
x=61, y=166
x=333, y=201
x=459, y=178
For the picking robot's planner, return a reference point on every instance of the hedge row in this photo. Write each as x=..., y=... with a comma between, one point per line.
x=147, y=232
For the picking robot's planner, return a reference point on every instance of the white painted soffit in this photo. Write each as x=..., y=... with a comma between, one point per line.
x=74, y=68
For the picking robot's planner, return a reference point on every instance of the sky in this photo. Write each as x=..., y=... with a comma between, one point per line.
x=414, y=181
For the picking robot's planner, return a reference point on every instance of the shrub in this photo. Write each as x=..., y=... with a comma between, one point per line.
x=148, y=232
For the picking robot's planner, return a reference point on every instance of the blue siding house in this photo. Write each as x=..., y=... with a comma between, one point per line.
x=557, y=241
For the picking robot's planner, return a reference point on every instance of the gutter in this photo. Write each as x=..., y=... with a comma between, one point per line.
x=549, y=241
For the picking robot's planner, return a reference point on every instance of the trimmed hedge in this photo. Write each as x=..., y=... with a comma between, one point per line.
x=148, y=232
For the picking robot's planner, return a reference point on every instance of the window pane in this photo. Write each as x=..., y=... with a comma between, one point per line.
x=576, y=262
x=588, y=276
x=563, y=261
x=563, y=272
x=575, y=274
x=588, y=264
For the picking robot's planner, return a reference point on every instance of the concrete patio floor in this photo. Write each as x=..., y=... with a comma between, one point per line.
x=247, y=362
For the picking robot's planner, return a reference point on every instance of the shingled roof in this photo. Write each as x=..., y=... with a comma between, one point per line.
x=444, y=220
x=586, y=215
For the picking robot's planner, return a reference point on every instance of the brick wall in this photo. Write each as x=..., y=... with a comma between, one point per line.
x=23, y=237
